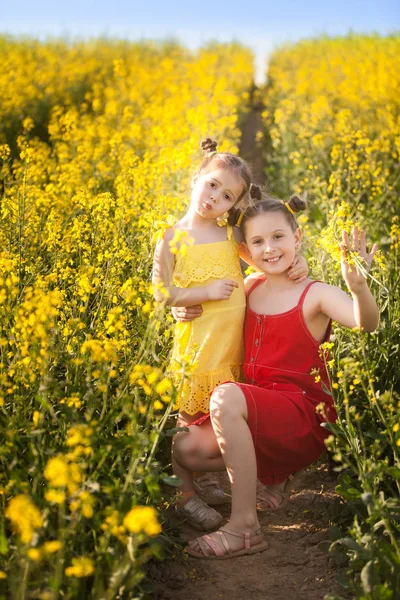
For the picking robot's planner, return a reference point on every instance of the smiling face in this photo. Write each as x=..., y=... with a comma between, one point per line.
x=215, y=192
x=271, y=242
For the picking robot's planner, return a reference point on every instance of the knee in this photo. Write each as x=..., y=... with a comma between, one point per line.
x=226, y=401
x=185, y=449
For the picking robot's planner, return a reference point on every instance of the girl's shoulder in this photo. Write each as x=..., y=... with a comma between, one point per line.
x=319, y=293
x=251, y=279
x=319, y=288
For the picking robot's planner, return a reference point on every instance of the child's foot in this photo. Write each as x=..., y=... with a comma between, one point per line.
x=275, y=497
x=225, y=543
x=198, y=514
x=209, y=490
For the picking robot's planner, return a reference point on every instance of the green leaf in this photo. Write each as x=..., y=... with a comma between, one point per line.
x=3, y=539
x=326, y=389
x=333, y=428
x=368, y=577
x=174, y=430
x=343, y=580
x=172, y=480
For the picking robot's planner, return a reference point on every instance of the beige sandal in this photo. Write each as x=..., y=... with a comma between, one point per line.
x=196, y=512
x=209, y=490
x=223, y=551
x=273, y=499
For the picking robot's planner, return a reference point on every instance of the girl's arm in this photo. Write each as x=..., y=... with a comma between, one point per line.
x=362, y=311
x=165, y=291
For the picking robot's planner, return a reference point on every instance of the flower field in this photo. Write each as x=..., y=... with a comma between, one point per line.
x=333, y=122
x=97, y=144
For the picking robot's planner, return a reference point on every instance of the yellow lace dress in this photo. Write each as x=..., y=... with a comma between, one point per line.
x=211, y=345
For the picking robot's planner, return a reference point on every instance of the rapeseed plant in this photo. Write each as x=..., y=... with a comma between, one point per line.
x=332, y=113
x=98, y=142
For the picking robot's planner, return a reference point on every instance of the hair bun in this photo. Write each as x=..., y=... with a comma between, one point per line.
x=297, y=204
x=208, y=145
x=255, y=192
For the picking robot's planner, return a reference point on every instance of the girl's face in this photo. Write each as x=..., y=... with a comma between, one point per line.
x=271, y=241
x=215, y=192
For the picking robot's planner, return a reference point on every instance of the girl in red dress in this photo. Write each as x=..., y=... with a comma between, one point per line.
x=268, y=427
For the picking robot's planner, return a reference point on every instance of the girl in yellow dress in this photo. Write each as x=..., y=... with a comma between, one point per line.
x=207, y=273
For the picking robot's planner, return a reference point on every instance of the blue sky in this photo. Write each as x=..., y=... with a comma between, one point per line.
x=261, y=25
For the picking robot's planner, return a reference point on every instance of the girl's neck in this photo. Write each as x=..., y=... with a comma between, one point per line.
x=192, y=220
x=278, y=283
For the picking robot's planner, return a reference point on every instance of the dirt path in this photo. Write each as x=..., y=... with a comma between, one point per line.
x=296, y=566
x=249, y=148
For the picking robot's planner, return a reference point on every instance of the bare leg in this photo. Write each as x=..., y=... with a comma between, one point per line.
x=229, y=420
x=185, y=475
x=197, y=450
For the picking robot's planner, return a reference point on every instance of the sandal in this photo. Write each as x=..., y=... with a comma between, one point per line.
x=273, y=499
x=223, y=551
x=209, y=490
x=196, y=512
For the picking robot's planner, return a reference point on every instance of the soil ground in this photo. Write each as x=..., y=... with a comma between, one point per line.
x=296, y=566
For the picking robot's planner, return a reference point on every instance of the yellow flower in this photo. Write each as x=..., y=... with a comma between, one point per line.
x=396, y=427
x=36, y=418
x=35, y=554
x=80, y=434
x=60, y=473
x=24, y=516
x=3, y=575
x=163, y=386
x=56, y=496
x=81, y=567
x=142, y=519
x=52, y=546
x=57, y=471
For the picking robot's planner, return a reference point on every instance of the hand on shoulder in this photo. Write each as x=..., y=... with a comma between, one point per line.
x=250, y=279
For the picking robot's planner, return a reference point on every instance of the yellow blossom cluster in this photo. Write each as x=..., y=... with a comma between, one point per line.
x=98, y=144
x=142, y=519
x=63, y=474
x=82, y=566
x=25, y=517
x=333, y=111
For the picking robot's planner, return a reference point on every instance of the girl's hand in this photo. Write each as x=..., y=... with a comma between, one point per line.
x=353, y=275
x=185, y=314
x=298, y=270
x=221, y=289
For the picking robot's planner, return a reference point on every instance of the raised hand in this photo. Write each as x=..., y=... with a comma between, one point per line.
x=221, y=289
x=355, y=274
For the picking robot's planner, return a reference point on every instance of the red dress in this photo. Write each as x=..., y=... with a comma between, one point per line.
x=281, y=393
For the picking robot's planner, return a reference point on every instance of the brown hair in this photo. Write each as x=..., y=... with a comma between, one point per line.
x=262, y=203
x=225, y=160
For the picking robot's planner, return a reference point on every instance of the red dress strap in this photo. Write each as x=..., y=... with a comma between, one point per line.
x=304, y=293
x=255, y=284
